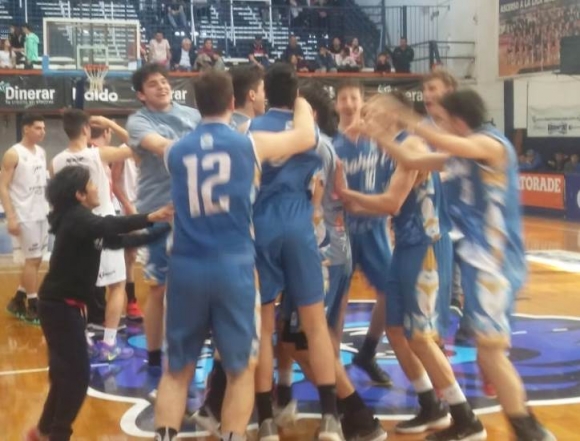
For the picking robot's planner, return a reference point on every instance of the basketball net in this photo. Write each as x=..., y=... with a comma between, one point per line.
x=96, y=74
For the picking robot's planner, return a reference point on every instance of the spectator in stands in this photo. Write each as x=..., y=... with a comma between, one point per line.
x=176, y=15
x=159, y=50
x=321, y=18
x=298, y=63
x=183, y=58
x=336, y=49
x=293, y=48
x=558, y=163
x=346, y=62
x=403, y=56
x=325, y=62
x=30, y=47
x=356, y=52
x=7, y=58
x=208, y=57
x=382, y=65
x=295, y=14
x=572, y=166
x=16, y=39
x=259, y=54
x=531, y=162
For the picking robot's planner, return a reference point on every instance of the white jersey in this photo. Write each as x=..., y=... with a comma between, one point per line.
x=129, y=179
x=28, y=187
x=91, y=159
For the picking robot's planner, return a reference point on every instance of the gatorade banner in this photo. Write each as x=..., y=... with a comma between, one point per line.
x=542, y=190
x=33, y=92
x=573, y=196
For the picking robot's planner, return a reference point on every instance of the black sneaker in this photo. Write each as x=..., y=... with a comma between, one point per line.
x=17, y=305
x=373, y=370
x=462, y=336
x=362, y=426
x=429, y=418
x=31, y=315
x=529, y=429
x=471, y=431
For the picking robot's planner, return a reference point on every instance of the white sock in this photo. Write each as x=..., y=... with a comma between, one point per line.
x=453, y=394
x=110, y=337
x=31, y=296
x=285, y=377
x=422, y=384
x=21, y=289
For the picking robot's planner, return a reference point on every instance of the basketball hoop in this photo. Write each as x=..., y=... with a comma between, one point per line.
x=96, y=74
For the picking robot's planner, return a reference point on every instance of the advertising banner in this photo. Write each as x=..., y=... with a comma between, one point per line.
x=530, y=33
x=34, y=92
x=573, y=196
x=555, y=121
x=542, y=190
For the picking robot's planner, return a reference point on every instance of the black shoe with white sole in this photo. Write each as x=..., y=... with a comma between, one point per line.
x=433, y=415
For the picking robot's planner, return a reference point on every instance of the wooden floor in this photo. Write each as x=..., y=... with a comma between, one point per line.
x=551, y=290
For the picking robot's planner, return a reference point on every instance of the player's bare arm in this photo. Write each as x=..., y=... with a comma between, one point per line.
x=118, y=190
x=106, y=123
x=155, y=143
x=110, y=155
x=272, y=146
x=413, y=153
x=9, y=163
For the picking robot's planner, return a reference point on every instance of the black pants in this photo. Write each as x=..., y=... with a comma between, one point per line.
x=97, y=306
x=69, y=368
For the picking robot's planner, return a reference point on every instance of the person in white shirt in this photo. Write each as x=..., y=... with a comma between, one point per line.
x=159, y=50
x=112, y=268
x=22, y=189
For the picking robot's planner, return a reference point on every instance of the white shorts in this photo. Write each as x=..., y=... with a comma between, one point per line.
x=32, y=242
x=112, y=268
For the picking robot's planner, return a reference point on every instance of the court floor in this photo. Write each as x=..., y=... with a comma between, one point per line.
x=546, y=352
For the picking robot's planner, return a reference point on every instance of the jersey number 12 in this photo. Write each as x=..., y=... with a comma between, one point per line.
x=201, y=193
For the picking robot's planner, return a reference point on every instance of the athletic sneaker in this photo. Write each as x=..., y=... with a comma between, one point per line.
x=268, y=431
x=330, y=429
x=488, y=389
x=31, y=315
x=107, y=354
x=357, y=427
x=133, y=312
x=286, y=417
x=205, y=419
x=429, y=417
x=373, y=370
x=470, y=431
x=33, y=434
x=17, y=305
x=462, y=336
x=456, y=307
x=529, y=429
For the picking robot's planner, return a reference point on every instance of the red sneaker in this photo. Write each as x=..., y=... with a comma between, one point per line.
x=488, y=389
x=134, y=312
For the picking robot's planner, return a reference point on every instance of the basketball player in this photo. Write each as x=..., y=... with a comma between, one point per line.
x=288, y=259
x=76, y=125
x=249, y=96
x=358, y=421
x=420, y=269
x=22, y=189
x=151, y=130
x=367, y=170
x=80, y=235
x=483, y=166
x=214, y=172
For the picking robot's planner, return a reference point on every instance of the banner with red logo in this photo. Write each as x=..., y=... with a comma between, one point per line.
x=542, y=190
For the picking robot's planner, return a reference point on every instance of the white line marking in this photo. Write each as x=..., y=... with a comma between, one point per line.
x=23, y=371
x=519, y=332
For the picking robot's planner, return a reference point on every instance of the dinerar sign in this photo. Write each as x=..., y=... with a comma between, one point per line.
x=33, y=92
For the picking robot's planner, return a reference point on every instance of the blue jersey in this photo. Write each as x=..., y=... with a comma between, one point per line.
x=485, y=206
x=290, y=177
x=368, y=170
x=423, y=216
x=213, y=182
x=153, y=189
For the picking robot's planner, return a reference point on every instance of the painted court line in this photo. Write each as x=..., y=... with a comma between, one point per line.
x=36, y=370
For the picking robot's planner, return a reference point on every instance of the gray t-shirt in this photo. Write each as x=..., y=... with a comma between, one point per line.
x=333, y=211
x=154, y=188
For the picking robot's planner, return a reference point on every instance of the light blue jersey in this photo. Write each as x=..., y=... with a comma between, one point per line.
x=486, y=208
x=238, y=119
x=368, y=171
x=213, y=184
x=153, y=186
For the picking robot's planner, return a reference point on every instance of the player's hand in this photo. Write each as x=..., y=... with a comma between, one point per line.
x=164, y=214
x=129, y=209
x=13, y=226
x=99, y=122
x=340, y=184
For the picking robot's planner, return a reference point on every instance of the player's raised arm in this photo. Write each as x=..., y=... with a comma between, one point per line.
x=106, y=123
x=111, y=155
x=9, y=163
x=271, y=146
x=143, y=133
x=413, y=154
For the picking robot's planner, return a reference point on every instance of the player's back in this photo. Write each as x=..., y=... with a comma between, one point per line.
x=213, y=182
x=291, y=177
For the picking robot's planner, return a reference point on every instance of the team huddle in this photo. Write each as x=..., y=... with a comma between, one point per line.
x=272, y=212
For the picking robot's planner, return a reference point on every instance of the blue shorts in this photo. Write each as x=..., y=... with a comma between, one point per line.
x=217, y=296
x=489, y=299
x=419, y=288
x=372, y=253
x=156, y=266
x=287, y=254
x=339, y=277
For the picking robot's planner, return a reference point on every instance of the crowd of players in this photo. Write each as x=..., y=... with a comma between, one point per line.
x=302, y=200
